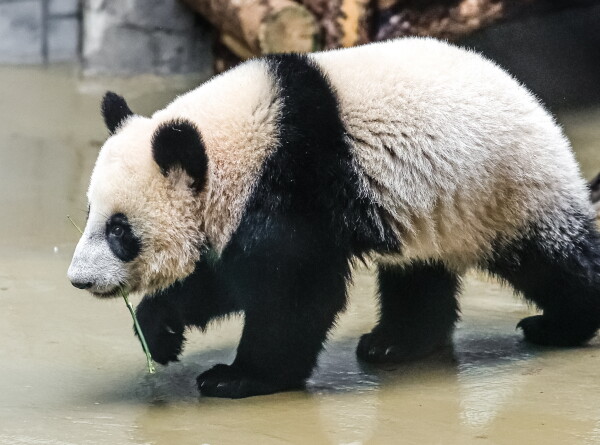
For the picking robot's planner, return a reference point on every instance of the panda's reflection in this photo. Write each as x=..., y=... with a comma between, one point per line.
x=455, y=395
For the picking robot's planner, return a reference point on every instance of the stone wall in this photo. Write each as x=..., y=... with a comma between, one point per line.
x=107, y=36
x=39, y=31
x=144, y=36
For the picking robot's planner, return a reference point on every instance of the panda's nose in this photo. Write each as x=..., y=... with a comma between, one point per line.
x=81, y=284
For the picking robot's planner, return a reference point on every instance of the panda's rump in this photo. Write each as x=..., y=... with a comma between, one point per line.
x=455, y=151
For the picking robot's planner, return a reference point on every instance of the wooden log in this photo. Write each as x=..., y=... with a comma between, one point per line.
x=439, y=19
x=250, y=28
x=327, y=13
x=456, y=19
x=354, y=22
x=223, y=57
x=343, y=23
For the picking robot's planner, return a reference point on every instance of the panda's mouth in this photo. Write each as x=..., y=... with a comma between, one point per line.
x=114, y=292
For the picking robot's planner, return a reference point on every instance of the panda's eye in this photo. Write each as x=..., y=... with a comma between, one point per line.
x=117, y=231
x=121, y=238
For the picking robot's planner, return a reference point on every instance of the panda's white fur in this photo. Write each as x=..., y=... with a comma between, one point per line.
x=236, y=114
x=123, y=168
x=453, y=149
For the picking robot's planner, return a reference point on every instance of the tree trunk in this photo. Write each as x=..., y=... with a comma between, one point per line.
x=455, y=19
x=250, y=28
x=344, y=23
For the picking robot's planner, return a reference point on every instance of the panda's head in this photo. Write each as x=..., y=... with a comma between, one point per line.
x=145, y=196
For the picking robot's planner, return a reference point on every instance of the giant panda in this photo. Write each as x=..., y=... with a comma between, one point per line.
x=255, y=192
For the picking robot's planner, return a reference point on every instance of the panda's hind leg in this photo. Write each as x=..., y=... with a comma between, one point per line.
x=559, y=271
x=418, y=311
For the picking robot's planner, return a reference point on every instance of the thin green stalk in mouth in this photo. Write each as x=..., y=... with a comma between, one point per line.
x=140, y=334
x=138, y=329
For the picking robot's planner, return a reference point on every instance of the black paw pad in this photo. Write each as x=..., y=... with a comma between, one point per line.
x=380, y=348
x=230, y=382
x=163, y=334
x=165, y=343
x=542, y=331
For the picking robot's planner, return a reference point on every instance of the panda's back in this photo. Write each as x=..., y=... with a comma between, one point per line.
x=451, y=146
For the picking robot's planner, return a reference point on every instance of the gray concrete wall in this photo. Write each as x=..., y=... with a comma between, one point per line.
x=39, y=31
x=144, y=36
x=108, y=36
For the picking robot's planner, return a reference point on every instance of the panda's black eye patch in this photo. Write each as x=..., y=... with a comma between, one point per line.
x=120, y=237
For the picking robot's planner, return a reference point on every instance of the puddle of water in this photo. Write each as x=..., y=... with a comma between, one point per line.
x=73, y=373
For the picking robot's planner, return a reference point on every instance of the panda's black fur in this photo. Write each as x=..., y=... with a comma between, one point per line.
x=287, y=265
x=303, y=224
x=178, y=144
x=115, y=111
x=563, y=282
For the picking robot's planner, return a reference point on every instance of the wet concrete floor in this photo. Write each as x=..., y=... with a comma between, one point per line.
x=71, y=371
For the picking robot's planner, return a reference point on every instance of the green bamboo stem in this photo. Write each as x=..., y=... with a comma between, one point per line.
x=138, y=329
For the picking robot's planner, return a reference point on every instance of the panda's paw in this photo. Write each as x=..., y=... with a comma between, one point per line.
x=231, y=382
x=539, y=330
x=165, y=343
x=164, y=335
x=378, y=347
x=373, y=348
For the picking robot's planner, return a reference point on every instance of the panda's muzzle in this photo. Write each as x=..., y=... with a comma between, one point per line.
x=95, y=266
x=108, y=294
x=89, y=286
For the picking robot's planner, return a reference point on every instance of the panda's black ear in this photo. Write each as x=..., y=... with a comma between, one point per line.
x=178, y=144
x=114, y=110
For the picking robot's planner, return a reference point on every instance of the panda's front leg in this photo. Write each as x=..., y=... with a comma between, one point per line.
x=194, y=301
x=291, y=291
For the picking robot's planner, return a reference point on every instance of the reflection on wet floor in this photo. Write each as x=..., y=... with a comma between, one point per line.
x=73, y=373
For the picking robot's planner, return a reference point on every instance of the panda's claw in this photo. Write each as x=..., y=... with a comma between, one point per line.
x=378, y=347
